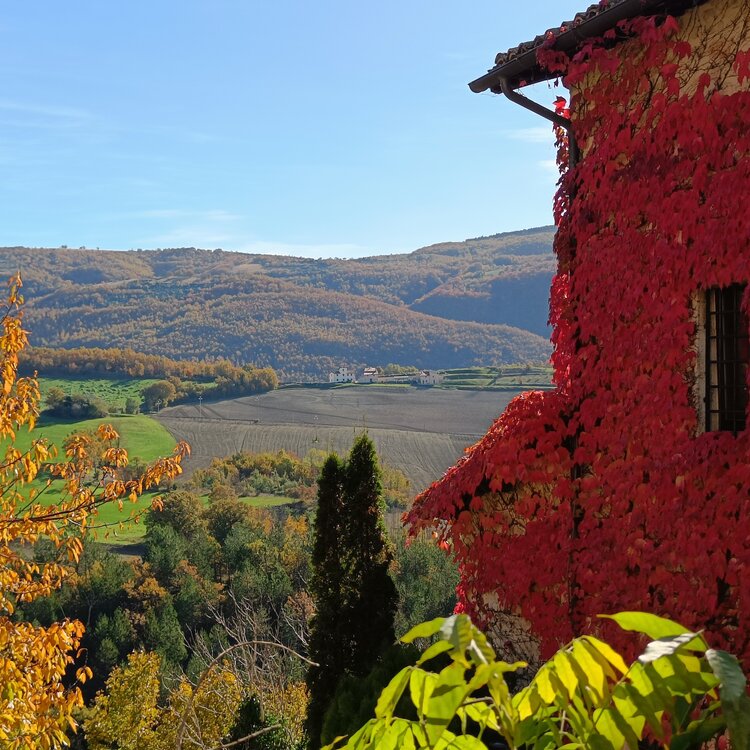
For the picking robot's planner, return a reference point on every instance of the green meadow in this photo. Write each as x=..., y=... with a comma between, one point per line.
x=260, y=501
x=113, y=392
x=268, y=501
x=143, y=438
x=507, y=377
x=140, y=435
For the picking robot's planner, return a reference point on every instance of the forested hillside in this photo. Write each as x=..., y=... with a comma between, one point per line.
x=449, y=305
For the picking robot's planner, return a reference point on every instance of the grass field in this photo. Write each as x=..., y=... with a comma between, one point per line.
x=114, y=392
x=261, y=501
x=140, y=435
x=268, y=501
x=506, y=378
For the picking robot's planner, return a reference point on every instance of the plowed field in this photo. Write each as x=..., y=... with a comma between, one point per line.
x=418, y=430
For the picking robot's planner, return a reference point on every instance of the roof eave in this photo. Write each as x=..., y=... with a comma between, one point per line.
x=524, y=69
x=517, y=71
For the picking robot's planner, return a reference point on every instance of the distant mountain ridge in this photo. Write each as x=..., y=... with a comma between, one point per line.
x=454, y=304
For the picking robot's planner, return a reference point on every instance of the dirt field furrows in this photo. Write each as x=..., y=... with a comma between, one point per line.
x=420, y=431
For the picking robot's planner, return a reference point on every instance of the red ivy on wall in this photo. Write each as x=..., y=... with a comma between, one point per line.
x=601, y=496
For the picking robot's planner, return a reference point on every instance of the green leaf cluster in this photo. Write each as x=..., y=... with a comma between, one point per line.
x=678, y=692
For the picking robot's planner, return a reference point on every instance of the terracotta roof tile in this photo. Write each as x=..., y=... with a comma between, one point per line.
x=592, y=11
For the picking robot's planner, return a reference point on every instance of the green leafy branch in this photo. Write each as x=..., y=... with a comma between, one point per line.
x=679, y=692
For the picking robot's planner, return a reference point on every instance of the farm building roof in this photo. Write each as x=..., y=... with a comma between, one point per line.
x=519, y=64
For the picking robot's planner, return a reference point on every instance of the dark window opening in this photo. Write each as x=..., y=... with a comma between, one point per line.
x=727, y=355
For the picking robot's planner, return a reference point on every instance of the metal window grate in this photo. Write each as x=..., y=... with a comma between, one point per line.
x=727, y=355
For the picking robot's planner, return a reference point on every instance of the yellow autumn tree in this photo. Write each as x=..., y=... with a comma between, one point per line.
x=126, y=715
x=35, y=704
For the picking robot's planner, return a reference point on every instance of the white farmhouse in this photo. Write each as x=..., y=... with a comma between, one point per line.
x=430, y=377
x=342, y=375
x=370, y=375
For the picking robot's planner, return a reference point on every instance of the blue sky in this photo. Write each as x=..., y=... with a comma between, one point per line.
x=327, y=128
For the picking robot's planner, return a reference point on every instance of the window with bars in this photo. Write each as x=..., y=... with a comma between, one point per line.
x=727, y=352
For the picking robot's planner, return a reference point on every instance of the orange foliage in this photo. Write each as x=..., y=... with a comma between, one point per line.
x=35, y=705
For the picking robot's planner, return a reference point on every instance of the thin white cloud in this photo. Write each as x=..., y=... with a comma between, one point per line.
x=209, y=237
x=212, y=215
x=197, y=137
x=333, y=250
x=536, y=134
x=185, y=228
x=549, y=167
x=43, y=110
x=219, y=215
x=190, y=235
x=214, y=228
x=158, y=213
x=32, y=117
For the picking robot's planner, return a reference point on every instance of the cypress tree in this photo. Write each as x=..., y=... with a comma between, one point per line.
x=371, y=597
x=326, y=588
x=354, y=595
